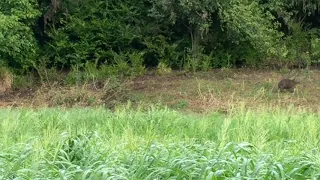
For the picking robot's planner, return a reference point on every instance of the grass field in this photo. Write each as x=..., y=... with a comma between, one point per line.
x=158, y=143
x=221, y=124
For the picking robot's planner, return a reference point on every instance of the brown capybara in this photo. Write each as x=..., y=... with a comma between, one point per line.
x=287, y=85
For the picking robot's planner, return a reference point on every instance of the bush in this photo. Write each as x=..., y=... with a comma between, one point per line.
x=91, y=30
x=130, y=64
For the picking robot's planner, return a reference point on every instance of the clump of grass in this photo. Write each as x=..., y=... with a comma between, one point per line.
x=163, y=69
x=23, y=81
x=5, y=80
x=109, y=92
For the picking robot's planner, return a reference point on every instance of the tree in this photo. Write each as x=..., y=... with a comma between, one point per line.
x=300, y=23
x=247, y=20
x=92, y=30
x=195, y=15
x=18, y=44
x=253, y=23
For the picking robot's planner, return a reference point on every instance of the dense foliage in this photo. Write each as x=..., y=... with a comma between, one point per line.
x=18, y=44
x=185, y=34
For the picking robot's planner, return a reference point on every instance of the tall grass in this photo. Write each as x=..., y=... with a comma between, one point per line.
x=267, y=143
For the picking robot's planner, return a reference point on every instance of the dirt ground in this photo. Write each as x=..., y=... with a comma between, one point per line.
x=196, y=92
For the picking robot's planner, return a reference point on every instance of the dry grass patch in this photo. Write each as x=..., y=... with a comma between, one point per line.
x=5, y=80
x=108, y=92
x=89, y=94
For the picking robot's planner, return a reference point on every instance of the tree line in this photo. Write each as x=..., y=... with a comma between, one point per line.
x=181, y=34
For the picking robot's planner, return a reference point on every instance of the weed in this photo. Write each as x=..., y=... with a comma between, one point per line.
x=163, y=69
x=181, y=104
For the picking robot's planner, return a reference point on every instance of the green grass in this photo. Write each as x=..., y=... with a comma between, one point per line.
x=87, y=143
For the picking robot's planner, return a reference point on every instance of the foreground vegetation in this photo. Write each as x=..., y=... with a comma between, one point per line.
x=95, y=143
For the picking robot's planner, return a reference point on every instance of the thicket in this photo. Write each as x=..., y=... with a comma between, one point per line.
x=125, y=36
